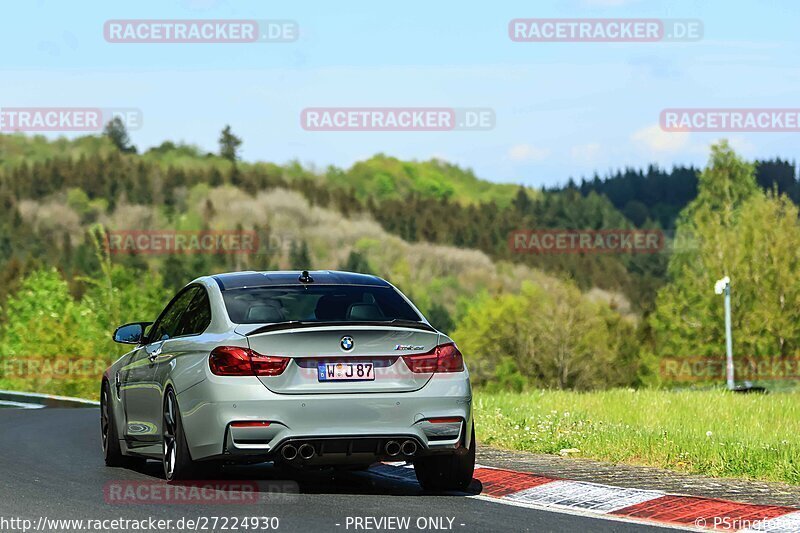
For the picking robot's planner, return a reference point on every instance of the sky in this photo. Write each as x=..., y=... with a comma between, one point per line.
x=562, y=109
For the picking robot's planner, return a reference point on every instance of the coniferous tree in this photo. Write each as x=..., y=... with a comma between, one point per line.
x=356, y=262
x=116, y=131
x=299, y=257
x=229, y=144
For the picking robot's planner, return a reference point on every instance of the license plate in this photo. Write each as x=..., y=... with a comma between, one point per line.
x=356, y=371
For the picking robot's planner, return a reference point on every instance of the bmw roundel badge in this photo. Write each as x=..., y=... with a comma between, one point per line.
x=347, y=343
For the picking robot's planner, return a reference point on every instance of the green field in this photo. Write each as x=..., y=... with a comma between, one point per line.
x=714, y=433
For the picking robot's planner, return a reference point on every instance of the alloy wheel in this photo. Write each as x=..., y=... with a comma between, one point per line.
x=105, y=416
x=170, y=430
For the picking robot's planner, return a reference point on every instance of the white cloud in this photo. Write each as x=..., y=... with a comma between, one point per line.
x=586, y=152
x=657, y=141
x=526, y=152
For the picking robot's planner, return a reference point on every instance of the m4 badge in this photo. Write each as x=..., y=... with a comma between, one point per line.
x=408, y=347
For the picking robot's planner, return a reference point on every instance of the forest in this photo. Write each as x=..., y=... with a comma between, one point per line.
x=567, y=321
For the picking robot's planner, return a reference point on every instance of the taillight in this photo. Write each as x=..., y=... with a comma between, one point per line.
x=450, y=359
x=443, y=358
x=237, y=361
x=230, y=361
x=268, y=365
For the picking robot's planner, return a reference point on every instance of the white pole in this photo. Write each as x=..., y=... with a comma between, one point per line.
x=723, y=286
x=728, y=339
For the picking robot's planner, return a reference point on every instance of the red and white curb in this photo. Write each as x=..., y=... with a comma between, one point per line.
x=619, y=503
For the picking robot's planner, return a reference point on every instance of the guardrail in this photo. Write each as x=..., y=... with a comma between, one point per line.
x=35, y=400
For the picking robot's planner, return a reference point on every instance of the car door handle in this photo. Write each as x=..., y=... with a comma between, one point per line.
x=154, y=355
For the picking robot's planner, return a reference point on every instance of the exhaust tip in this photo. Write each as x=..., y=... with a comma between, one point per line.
x=409, y=447
x=289, y=452
x=306, y=451
x=392, y=448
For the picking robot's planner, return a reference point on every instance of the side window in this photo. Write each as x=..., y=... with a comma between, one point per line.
x=168, y=322
x=197, y=316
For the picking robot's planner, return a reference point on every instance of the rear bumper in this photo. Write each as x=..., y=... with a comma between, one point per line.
x=367, y=420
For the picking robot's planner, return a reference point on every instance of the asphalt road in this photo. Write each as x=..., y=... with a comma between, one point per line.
x=51, y=467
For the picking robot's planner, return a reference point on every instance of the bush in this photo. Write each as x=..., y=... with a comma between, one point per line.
x=555, y=337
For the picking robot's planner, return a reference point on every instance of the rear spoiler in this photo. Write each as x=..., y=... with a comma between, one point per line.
x=292, y=324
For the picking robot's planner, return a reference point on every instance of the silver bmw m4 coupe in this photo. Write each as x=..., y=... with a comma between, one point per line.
x=308, y=369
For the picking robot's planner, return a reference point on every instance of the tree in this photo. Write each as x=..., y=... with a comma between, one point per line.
x=522, y=202
x=737, y=230
x=299, y=258
x=440, y=318
x=47, y=326
x=555, y=337
x=356, y=262
x=176, y=271
x=115, y=130
x=229, y=145
x=722, y=187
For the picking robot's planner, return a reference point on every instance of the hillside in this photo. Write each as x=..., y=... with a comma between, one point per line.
x=407, y=198
x=447, y=283
x=386, y=178
x=61, y=290
x=17, y=149
x=549, y=320
x=381, y=177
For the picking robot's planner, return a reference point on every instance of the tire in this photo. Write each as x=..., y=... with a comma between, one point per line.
x=112, y=451
x=438, y=473
x=176, y=459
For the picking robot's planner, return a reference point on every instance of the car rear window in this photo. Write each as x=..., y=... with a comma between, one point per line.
x=317, y=303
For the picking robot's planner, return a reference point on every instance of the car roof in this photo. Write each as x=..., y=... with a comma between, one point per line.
x=240, y=280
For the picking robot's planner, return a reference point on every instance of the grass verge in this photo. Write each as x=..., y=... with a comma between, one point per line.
x=714, y=433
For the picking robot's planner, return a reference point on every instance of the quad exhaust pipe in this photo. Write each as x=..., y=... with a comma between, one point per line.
x=289, y=452
x=306, y=451
x=409, y=447
x=392, y=448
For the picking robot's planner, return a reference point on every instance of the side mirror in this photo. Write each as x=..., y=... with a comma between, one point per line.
x=130, y=333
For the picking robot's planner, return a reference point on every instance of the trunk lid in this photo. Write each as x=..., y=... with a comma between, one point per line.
x=382, y=347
